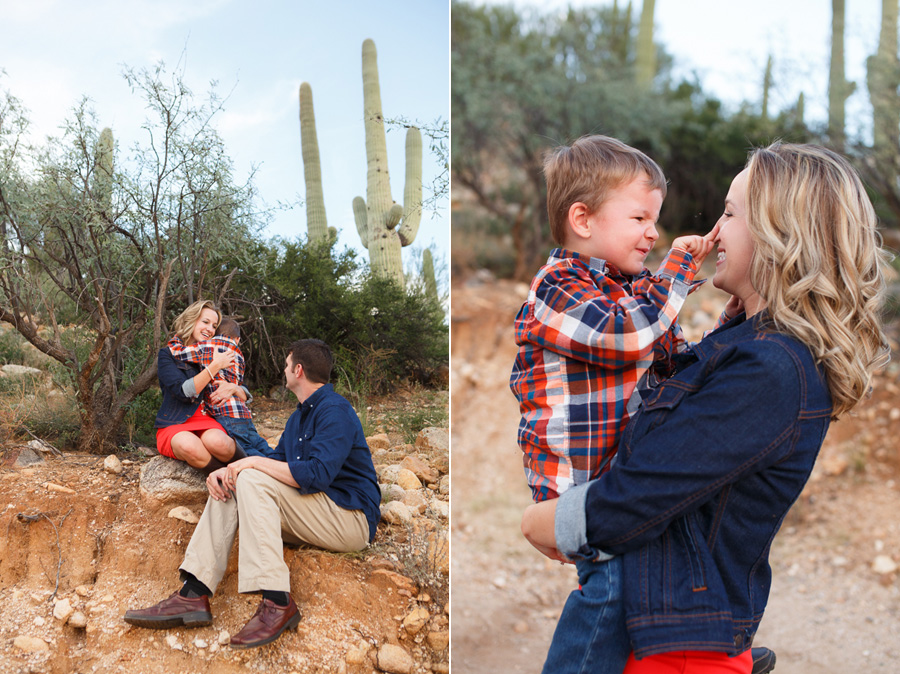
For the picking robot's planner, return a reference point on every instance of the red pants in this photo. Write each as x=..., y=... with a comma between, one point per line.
x=690, y=662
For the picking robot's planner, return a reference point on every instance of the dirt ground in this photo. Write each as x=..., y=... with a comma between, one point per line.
x=830, y=610
x=104, y=548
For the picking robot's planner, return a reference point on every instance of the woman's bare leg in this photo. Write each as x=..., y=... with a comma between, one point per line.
x=190, y=449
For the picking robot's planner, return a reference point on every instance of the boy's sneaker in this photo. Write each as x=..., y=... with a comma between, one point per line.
x=763, y=660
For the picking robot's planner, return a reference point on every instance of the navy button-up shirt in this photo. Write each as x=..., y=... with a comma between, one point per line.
x=325, y=448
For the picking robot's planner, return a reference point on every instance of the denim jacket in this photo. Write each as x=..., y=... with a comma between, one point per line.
x=706, y=472
x=176, y=407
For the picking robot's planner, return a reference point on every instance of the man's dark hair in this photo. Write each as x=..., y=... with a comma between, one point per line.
x=229, y=328
x=315, y=357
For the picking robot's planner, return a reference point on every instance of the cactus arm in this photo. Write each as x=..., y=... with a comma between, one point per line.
x=359, y=215
x=392, y=217
x=412, y=193
x=428, y=275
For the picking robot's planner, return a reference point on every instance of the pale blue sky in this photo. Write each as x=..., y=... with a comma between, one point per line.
x=55, y=51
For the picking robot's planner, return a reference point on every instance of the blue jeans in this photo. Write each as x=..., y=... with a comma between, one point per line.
x=245, y=435
x=591, y=635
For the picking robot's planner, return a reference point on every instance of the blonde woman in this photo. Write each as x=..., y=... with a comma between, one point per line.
x=717, y=454
x=184, y=429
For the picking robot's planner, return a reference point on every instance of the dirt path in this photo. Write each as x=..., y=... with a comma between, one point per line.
x=828, y=613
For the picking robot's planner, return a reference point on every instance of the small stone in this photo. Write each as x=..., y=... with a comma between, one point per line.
x=224, y=638
x=415, y=621
x=213, y=647
x=39, y=621
x=184, y=514
x=173, y=643
x=440, y=508
x=395, y=513
x=392, y=492
x=438, y=640
x=200, y=643
x=30, y=644
x=83, y=591
x=78, y=619
x=357, y=655
x=108, y=598
x=520, y=627
x=884, y=564
x=52, y=486
x=378, y=441
x=408, y=480
x=415, y=502
x=420, y=468
x=394, y=659
x=111, y=464
x=63, y=610
x=444, y=485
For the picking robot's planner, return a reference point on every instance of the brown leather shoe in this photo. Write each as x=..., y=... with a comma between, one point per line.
x=172, y=612
x=267, y=624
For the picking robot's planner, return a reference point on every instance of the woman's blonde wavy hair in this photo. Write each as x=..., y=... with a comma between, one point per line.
x=184, y=324
x=818, y=262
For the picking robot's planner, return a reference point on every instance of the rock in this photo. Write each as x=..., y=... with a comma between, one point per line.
x=12, y=370
x=173, y=643
x=439, y=552
x=40, y=446
x=441, y=668
x=224, y=638
x=200, y=643
x=420, y=469
x=415, y=502
x=58, y=488
x=440, y=508
x=394, y=659
x=30, y=644
x=63, y=610
x=111, y=464
x=83, y=591
x=78, y=619
x=357, y=655
x=415, y=621
x=438, y=640
x=391, y=492
x=396, y=512
x=400, y=476
x=386, y=579
x=884, y=564
x=27, y=457
x=408, y=480
x=379, y=441
x=184, y=514
x=169, y=481
x=434, y=439
x=39, y=621
x=444, y=485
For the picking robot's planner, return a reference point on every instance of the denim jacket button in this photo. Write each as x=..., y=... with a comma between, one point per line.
x=738, y=640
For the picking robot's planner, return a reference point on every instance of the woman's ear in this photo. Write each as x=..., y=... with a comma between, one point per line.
x=579, y=220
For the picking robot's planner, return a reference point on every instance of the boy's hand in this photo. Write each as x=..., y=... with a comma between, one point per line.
x=698, y=246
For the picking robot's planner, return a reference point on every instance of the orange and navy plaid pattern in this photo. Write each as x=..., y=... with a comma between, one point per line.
x=202, y=353
x=588, y=336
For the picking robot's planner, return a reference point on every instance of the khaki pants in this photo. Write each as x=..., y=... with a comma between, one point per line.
x=269, y=512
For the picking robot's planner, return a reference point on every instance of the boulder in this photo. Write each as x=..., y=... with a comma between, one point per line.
x=111, y=464
x=12, y=370
x=433, y=439
x=394, y=659
x=396, y=512
x=168, y=481
x=421, y=469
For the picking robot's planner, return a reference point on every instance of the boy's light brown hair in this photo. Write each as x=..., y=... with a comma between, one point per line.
x=587, y=171
x=229, y=328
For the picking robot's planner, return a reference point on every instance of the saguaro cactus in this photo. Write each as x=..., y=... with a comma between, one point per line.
x=428, y=275
x=101, y=184
x=767, y=87
x=839, y=89
x=645, y=63
x=316, y=222
x=883, y=78
x=378, y=216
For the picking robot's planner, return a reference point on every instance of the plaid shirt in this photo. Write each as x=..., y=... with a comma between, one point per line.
x=202, y=353
x=588, y=336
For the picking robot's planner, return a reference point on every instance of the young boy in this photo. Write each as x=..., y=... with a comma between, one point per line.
x=594, y=324
x=233, y=414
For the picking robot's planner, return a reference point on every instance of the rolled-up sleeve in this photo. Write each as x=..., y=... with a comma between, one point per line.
x=570, y=526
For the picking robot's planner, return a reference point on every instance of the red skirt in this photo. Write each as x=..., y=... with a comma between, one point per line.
x=691, y=662
x=198, y=423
